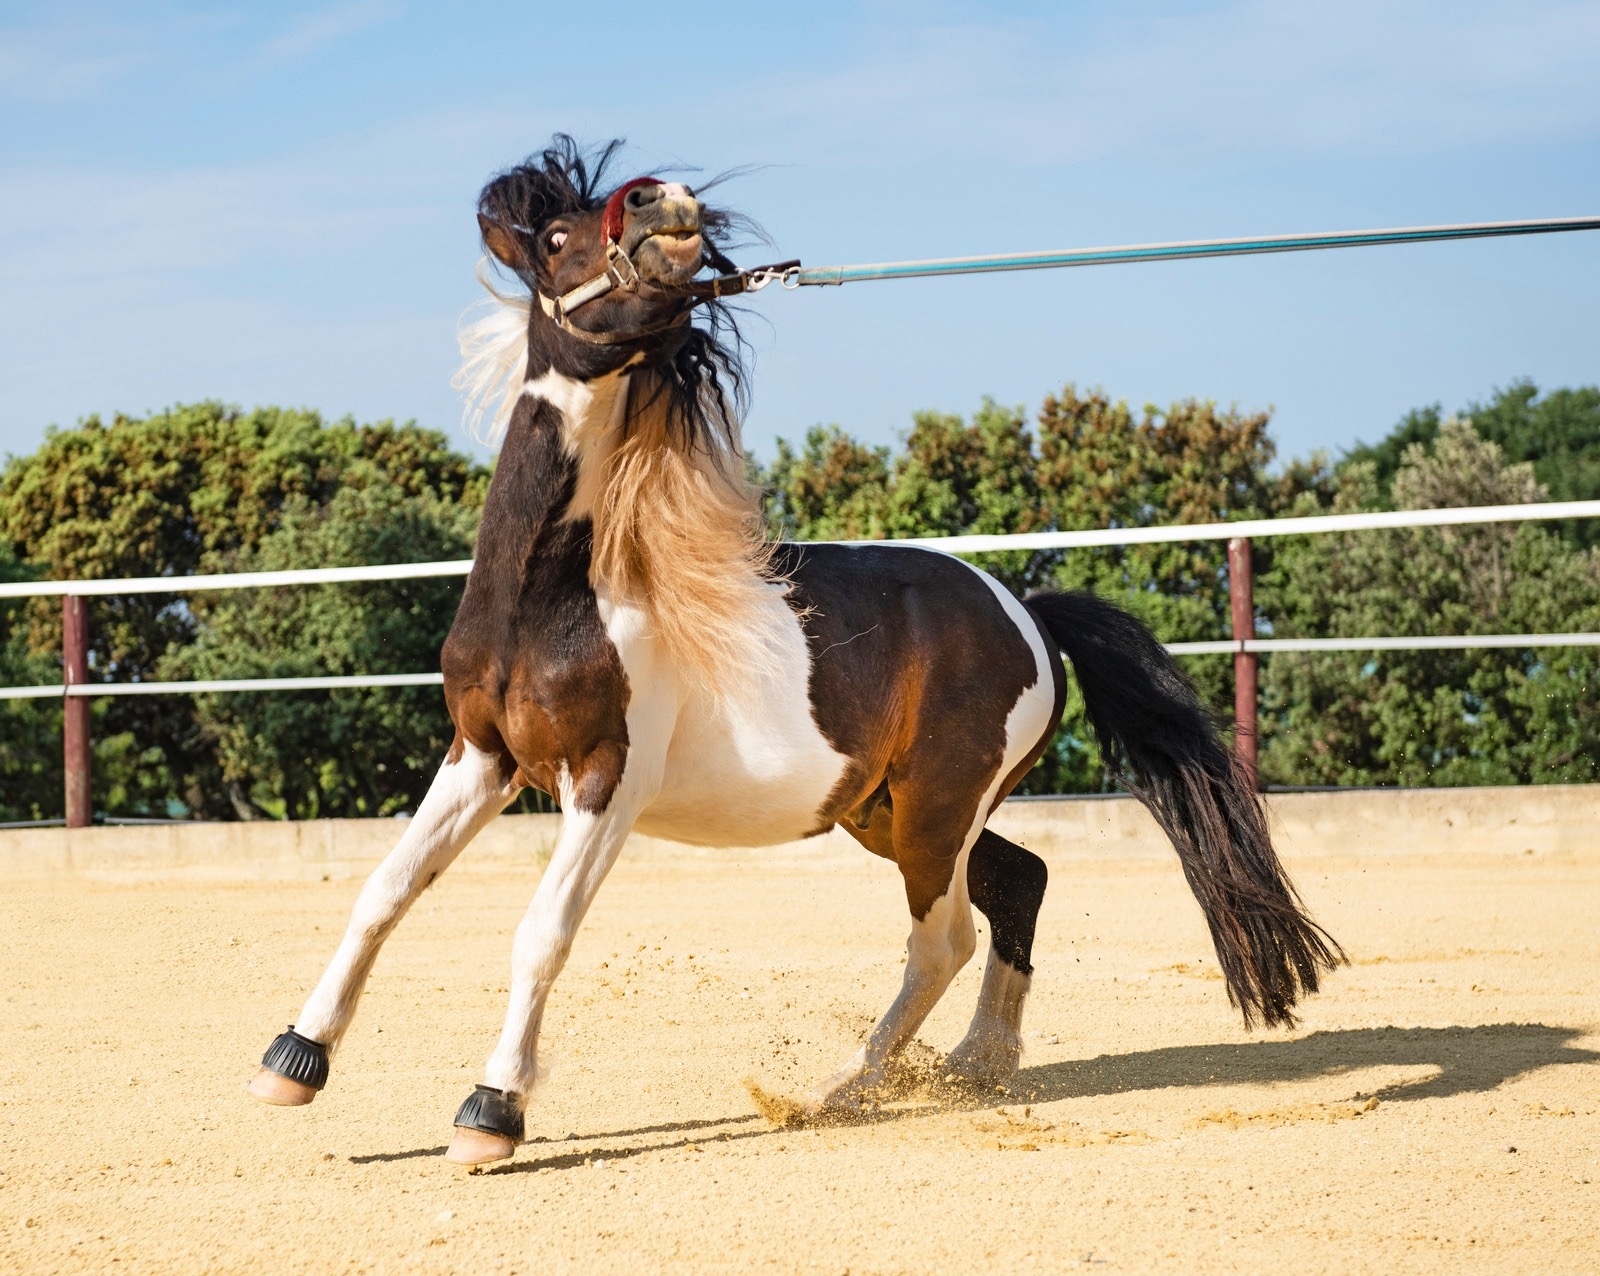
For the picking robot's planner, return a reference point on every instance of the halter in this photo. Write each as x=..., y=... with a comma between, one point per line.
x=620, y=274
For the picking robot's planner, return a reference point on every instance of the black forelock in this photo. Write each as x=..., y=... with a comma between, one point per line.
x=561, y=179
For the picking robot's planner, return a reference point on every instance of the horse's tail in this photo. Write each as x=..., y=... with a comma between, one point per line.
x=1162, y=743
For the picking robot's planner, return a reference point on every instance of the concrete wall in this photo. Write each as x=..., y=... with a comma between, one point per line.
x=1552, y=818
x=1545, y=819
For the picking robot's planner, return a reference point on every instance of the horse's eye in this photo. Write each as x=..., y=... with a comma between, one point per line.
x=557, y=238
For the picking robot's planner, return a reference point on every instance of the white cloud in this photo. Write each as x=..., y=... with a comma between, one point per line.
x=76, y=52
x=72, y=56
x=35, y=75
x=356, y=195
x=1365, y=76
x=314, y=31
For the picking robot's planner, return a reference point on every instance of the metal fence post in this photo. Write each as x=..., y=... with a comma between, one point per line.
x=1241, y=597
x=75, y=710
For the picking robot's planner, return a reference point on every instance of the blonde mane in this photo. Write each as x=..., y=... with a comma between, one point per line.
x=679, y=530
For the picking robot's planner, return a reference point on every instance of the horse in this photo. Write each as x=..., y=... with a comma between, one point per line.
x=631, y=642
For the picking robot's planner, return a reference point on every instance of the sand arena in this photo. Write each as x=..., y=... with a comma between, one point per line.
x=1439, y=1109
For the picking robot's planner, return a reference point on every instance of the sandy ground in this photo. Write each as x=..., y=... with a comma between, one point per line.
x=1146, y=1132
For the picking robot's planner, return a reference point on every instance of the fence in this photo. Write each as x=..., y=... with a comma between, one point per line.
x=1244, y=645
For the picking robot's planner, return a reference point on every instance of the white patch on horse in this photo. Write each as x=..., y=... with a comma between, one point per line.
x=992, y=1048
x=567, y=395
x=464, y=796
x=749, y=769
x=1031, y=717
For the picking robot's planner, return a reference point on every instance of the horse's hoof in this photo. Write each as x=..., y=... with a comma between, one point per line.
x=292, y=1071
x=984, y=1060
x=280, y=1091
x=478, y=1147
x=488, y=1127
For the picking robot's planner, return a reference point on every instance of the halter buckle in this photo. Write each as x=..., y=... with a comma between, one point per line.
x=620, y=268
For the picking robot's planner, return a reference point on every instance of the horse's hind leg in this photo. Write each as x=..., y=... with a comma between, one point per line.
x=465, y=795
x=1007, y=885
x=942, y=940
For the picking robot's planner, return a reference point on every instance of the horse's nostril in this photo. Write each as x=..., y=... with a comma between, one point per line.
x=642, y=196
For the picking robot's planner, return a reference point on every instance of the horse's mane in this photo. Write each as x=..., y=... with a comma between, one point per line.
x=703, y=380
x=680, y=530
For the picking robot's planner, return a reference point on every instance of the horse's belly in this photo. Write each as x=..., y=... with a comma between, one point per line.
x=746, y=778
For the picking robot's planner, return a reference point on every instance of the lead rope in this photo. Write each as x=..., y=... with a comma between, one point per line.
x=832, y=275
x=620, y=272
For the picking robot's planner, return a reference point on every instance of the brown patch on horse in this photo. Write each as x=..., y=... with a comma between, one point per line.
x=678, y=529
x=916, y=667
x=530, y=673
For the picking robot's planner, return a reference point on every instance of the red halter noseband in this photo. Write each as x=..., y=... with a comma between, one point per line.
x=611, y=226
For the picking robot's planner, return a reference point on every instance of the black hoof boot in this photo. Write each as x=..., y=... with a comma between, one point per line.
x=488, y=1127
x=292, y=1071
x=491, y=1111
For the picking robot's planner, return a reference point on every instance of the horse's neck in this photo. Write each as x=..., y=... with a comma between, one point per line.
x=592, y=414
x=551, y=464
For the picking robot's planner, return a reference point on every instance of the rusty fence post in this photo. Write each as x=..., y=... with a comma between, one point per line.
x=1241, y=597
x=75, y=710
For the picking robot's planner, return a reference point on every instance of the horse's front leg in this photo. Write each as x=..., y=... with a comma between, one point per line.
x=489, y=1124
x=465, y=795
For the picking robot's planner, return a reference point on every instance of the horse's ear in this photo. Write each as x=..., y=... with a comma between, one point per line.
x=502, y=243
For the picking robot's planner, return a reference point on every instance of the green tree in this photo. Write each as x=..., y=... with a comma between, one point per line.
x=30, y=730
x=834, y=488
x=194, y=489
x=309, y=754
x=1558, y=433
x=1433, y=717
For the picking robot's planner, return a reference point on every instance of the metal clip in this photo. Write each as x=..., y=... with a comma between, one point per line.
x=758, y=277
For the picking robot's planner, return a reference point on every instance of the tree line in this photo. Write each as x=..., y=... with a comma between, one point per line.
x=206, y=487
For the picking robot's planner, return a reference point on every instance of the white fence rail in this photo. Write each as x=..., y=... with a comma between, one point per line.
x=231, y=580
x=1086, y=539
x=981, y=544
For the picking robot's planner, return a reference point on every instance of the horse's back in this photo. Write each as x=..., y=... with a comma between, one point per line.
x=914, y=637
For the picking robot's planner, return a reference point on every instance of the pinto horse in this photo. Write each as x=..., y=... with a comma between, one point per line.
x=630, y=642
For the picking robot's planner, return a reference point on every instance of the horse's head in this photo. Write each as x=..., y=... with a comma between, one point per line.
x=612, y=270
x=608, y=269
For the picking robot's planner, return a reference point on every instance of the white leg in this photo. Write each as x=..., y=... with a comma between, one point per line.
x=464, y=796
x=584, y=853
x=992, y=1049
x=940, y=945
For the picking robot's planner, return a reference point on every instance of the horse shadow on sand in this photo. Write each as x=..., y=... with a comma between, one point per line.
x=1460, y=1061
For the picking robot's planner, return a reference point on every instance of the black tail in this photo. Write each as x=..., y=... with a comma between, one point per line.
x=1158, y=738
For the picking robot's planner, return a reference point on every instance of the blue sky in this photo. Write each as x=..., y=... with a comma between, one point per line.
x=273, y=204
